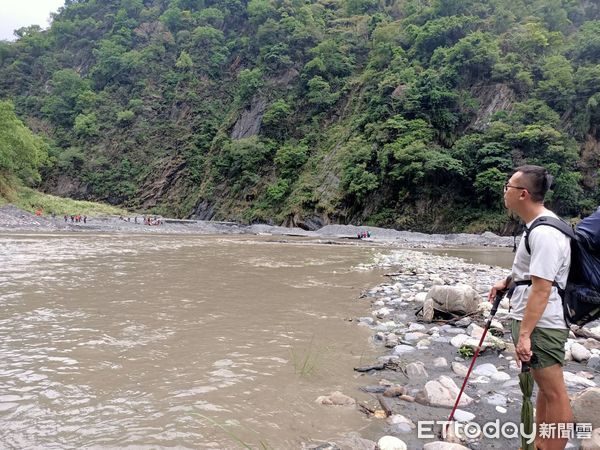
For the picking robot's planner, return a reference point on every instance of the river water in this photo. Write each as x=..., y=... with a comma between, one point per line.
x=178, y=341
x=181, y=341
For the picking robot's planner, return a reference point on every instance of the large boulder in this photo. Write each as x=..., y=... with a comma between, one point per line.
x=592, y=443
x=459, y=299
x=586, y=407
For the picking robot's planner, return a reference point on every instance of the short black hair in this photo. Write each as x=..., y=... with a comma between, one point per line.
x=538, y=181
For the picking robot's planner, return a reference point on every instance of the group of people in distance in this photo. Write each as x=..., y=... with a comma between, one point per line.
x=147, y=220
x=75, y=218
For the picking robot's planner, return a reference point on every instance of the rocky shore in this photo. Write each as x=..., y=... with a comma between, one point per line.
x=13, y=219
x=421, y=370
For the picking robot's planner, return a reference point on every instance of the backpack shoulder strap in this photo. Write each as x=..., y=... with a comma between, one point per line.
x=553, y=222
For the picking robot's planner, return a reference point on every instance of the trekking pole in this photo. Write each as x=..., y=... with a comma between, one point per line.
x=497, y=300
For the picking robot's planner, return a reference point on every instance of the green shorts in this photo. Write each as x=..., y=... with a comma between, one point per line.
x=547, y=345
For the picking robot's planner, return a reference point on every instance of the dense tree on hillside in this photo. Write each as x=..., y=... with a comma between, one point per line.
x=21, y=152
x=407, y=113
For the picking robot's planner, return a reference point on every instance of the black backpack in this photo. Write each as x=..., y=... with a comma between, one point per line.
x=581, y=296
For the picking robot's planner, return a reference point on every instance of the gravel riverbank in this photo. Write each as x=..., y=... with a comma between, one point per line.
x=421, y=370
x=13, y=219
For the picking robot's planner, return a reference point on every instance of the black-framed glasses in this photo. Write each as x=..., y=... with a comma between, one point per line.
x=508, y=186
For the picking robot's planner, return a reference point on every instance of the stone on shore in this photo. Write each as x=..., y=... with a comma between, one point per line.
x=336, y=399
x=459, y=369
x=443, y=446
x=487, y=370
x=579, y=352
x=402, y=349
x=459, y=299
x=572, y=380
x=391, y=443
x=440, y=362
x=441, y=392
x=592, y=443
x=586, y=407
x=416, y=370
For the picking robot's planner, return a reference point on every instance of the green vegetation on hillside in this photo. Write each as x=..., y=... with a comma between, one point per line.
x=404, y=113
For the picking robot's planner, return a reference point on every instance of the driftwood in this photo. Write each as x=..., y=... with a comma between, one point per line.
x=387, y=404
x=380, y=366
x=366, y=408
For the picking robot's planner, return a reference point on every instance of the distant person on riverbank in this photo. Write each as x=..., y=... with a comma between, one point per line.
x=66, y=218
x=538, y=326
x=84, y=219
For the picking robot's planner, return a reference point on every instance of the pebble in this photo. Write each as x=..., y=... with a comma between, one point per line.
x=403, y=349
x=486, y=370
x=441, y=362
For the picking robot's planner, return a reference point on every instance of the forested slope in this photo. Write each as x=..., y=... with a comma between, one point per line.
x=403, y=113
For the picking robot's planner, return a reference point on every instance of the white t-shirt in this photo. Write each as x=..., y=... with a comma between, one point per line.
x=550, y=259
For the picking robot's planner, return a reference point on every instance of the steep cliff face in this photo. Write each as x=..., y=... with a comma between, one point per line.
x=409, y=115
x=491, y=100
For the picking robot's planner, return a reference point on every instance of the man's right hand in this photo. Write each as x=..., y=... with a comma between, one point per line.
x=499, y=286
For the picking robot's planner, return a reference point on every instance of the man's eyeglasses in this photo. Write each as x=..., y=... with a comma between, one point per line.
x=508, y=186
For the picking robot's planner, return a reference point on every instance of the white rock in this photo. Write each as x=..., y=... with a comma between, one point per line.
x=440, y=362
x=441, y=392
x=458, y=340
x=580, y=353
x=501, y=409
x=495, y=400
x=416, y=370
x=573, y=380
x=402, y=349
x=486, y=370
x=459, y=369
x=396, y=419
x=391, y=443
x=417, y=327
x=415, y=336
x=382, y=313
x=474, y=330
x=500, y=376
x=463, y=416
x=423, y=344
x=497, y=325
x=420, y=297
x=439, y=445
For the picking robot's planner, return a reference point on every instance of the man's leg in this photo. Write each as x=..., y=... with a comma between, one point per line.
x=540, y=415
x=552, y=387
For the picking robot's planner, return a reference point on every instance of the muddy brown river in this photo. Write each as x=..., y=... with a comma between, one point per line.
x=125, y=341
x=178, y=341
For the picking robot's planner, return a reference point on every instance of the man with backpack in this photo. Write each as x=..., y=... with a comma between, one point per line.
x=538, y=327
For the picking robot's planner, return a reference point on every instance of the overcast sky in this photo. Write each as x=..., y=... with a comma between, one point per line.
x=15, y=14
